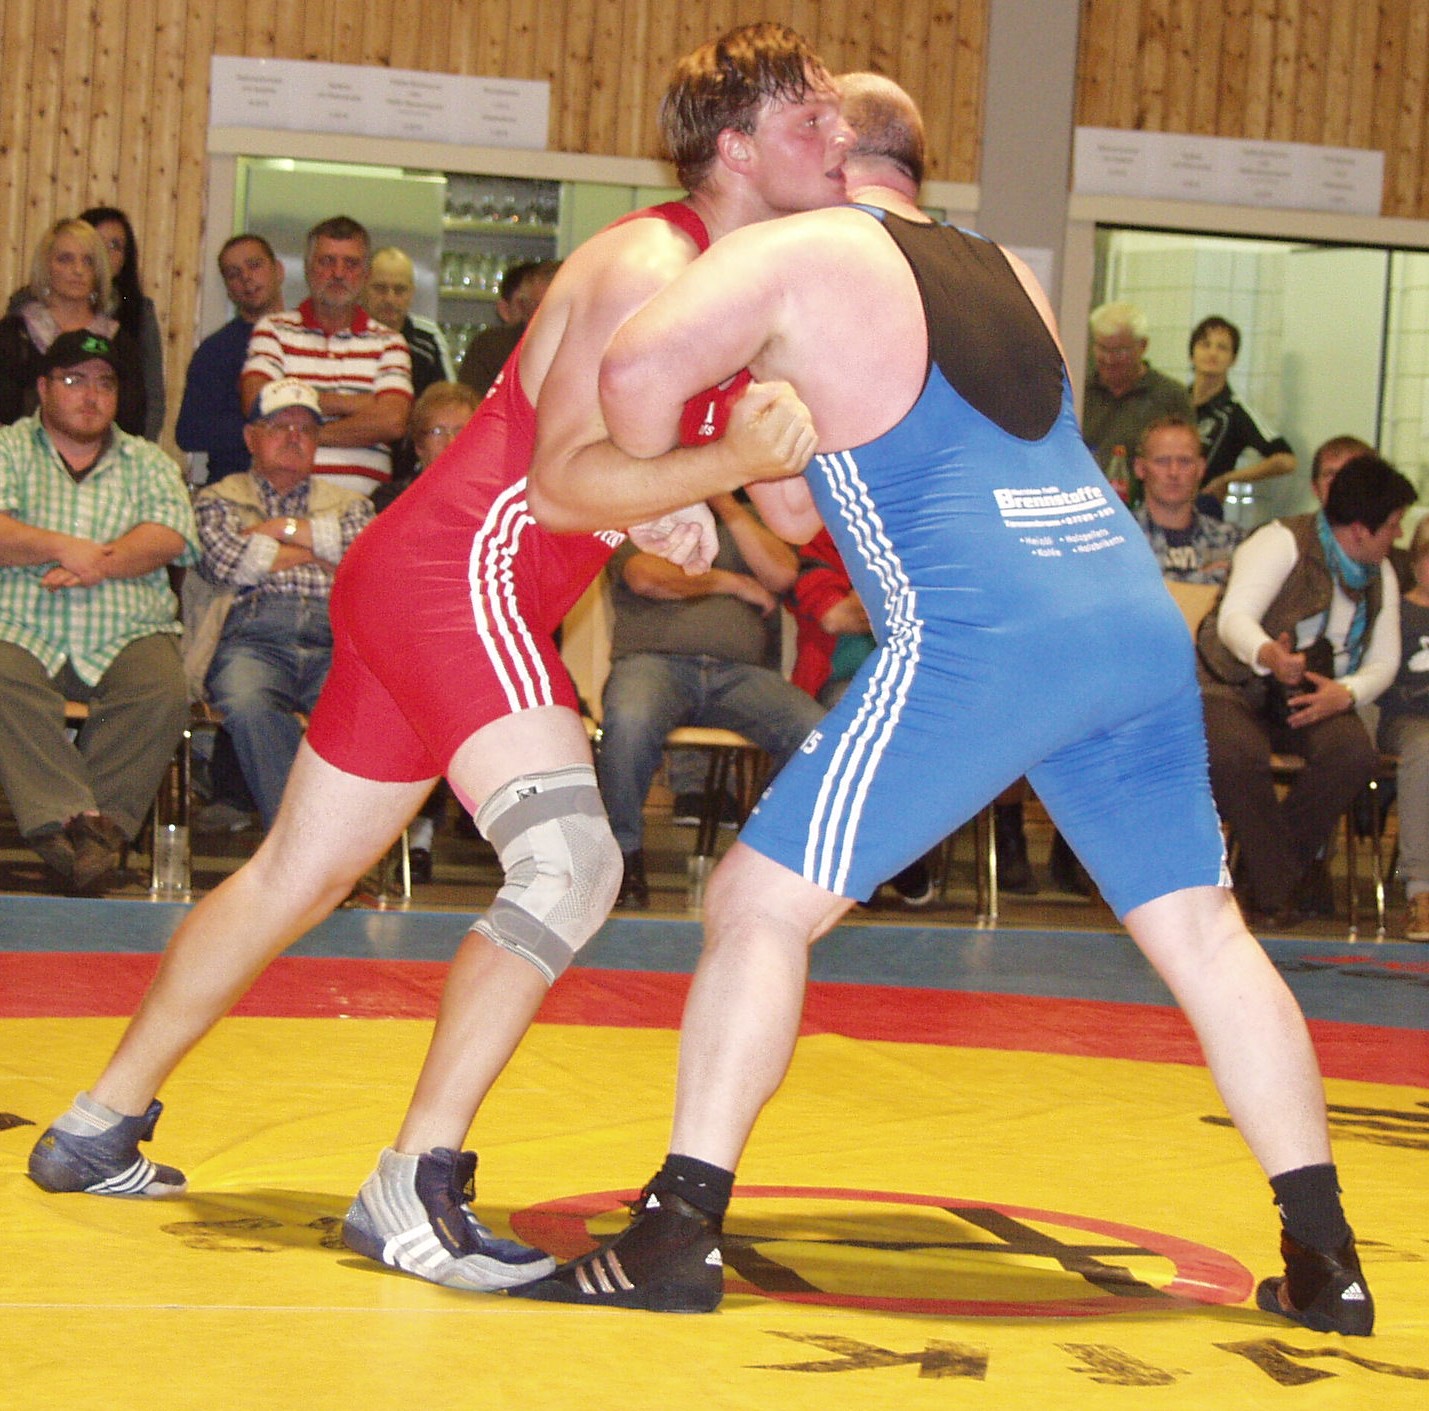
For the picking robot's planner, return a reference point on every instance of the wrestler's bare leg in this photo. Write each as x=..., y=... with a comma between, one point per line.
x=491, y=994
x=742, y=1015
x=1250, y=1027
x=331, y=827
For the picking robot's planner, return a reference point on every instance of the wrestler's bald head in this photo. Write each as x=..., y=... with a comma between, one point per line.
x=886, y=123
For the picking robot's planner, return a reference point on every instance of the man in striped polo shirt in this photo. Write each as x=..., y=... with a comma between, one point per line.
x=362, y=371
x=90, y=519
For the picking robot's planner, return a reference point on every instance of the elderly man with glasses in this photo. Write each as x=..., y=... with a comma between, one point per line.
x=1124, y=393
x=272, y=539
x=90, y=519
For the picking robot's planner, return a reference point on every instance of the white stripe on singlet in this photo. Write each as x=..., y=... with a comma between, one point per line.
x=833, y=827
x=491, y=573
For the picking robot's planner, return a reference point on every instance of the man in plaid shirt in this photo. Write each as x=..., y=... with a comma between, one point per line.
x=90, y=519
x=272, y=539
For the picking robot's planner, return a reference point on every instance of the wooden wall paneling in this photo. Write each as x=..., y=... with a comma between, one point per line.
x=521, y=42
x=665, y=38
x=1179, y=84
x=490, y=37
x=71, y=173
x=1285, y=71
x=1123, y=108
x=571, y=108
x=107, y=97
x=347, y=32
x=912, y=47
x=460, y=40
x=260, y=27
x=1235, y=70
x=1364, y=78
x=378, y=31
x=190, y=217
x=1152, y=69
x=168, y=247
x=1201, y=53
x=287, y=33
x=625, y=30
x=1309, y=116
x=41, y=151
x=941, y=91
x=1339, y=76
x=1094, y=66
x=139, y=114
x=17, y=37
x=609, y=78
x=319, y=44
x=968, y=91
x=1389, y=59
x=1408, y=138
x=1260, y=56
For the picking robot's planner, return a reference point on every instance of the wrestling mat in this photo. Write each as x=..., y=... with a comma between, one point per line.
x=998, y=1177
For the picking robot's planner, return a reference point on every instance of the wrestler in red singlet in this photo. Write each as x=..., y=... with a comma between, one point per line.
x=444, y=610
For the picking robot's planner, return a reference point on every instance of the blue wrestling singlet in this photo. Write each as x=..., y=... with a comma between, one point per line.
x=1022, y=622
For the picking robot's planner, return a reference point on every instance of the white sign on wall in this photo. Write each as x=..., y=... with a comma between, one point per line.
x=1226, y=171
x=295, y=96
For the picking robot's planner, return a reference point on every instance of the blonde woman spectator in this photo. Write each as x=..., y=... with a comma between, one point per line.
x=70, y=289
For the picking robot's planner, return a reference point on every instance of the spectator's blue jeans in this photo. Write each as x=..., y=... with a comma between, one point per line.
x=271, y=662
x=648, y=694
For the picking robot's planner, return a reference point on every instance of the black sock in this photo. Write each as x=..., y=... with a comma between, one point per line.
x=1309, y=1203
x=706, y=1187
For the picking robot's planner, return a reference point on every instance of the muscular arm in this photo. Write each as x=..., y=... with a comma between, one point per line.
x=579, y=479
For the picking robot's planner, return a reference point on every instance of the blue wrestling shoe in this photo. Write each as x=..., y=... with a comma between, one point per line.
x=80, y=1153
x=412, y=1214
x=1326, y=1293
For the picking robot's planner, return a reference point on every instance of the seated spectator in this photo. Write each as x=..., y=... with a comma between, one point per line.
x=390, y=288
x=1124, y=393
x=1306, y=629
x=522, y=289
x=361, y=370
x=1228, y=427
x=133, y=308
x=693, y=650
x=834, y=639
x=437, y=418
x=211, y=415
x=90, y=519
x=69, y=290
x=272, y=538
x=1328, y=460
x=1190, y=546
x=1404, y=731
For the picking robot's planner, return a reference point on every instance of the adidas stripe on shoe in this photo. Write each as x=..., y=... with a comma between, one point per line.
x=104, y=1161
x=666, y=1260
x=412, y=1214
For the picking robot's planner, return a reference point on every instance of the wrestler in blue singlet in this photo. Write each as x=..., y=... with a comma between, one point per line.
x=1022, y=622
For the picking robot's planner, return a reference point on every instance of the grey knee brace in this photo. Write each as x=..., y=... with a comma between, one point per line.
x=561, y=861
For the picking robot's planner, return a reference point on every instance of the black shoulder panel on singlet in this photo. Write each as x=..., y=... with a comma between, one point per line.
x=984, y=334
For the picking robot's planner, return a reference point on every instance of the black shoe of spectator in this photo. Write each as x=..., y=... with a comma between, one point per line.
x=689, y=810
x=1014, y=871
x=1067, y=870
x=99, y=845
x=1315, y=896
x=634, y=891
x=914, y=884
x=54, y=846
x=420, y=862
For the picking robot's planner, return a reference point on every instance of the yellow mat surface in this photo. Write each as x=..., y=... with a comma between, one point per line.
x=916, y=1226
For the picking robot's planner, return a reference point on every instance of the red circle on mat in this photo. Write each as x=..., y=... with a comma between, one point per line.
x=1202, y=1274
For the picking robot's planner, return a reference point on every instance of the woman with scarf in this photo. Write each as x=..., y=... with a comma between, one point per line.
x=1306, y=631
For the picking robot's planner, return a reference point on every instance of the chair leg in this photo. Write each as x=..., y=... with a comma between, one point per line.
x=985, y=866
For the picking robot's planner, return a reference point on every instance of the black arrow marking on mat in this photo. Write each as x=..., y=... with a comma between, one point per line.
x=938, y=1359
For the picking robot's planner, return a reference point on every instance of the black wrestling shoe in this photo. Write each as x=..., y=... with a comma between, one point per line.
x=667, y=1260
x=1327, y=1293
